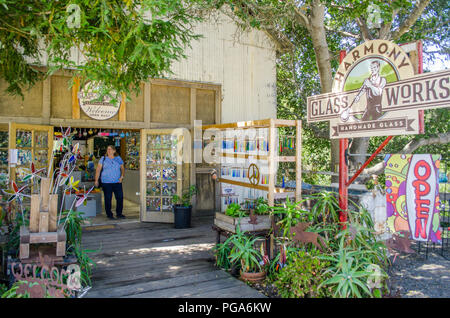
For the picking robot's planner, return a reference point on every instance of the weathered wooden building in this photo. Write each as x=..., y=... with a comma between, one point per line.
x=228, y=76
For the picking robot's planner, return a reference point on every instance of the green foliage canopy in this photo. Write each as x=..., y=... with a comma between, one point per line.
x=121, y=43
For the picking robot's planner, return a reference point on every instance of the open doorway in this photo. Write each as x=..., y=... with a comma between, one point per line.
x=92, y=145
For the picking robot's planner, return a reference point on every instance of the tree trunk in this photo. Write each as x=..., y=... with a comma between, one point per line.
x=359, y=147
x=319, y=41
x=334, y=159
x=323, y=60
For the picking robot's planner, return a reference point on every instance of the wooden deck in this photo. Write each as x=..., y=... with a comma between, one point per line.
x=155, y=260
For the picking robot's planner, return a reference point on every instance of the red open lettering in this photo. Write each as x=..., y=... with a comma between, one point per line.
x=424, y=164
x=422, y=217
x=421, y=188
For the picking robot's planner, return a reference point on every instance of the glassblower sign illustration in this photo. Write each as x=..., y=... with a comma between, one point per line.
x=93, y=106
x=375, y=93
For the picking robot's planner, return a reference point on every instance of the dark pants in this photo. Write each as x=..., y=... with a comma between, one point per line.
x=108, y=189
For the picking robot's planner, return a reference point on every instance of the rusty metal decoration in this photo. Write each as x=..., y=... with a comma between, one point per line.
x=45, y=279
x=352, y=231
x=300, y=236
x=399, y=243
x=282, y=259
x=253, y=174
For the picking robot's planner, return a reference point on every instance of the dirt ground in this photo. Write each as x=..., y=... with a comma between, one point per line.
x=416, y=276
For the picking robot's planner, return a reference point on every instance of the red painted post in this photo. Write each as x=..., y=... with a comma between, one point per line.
x=343, y=172
x=343, y=188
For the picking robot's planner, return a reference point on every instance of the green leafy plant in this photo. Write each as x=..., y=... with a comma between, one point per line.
x=3, y=289
x=72, y=221
x=12, y=292
x=243, y=250
x=186, y=197
x=261, y=206
x=274, y=266
x=221, y=253
x=234, y=210
x=289, y=215
x=326, y=209
x=350, y=271
x=86, y=264
x=72, y=224
x=14, y=230
x=116, y=38
x=303, y=276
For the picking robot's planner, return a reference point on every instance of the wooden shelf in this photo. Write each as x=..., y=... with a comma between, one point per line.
x=263, y=123
x=271, y=157
x=251, y=186
x=244, y=156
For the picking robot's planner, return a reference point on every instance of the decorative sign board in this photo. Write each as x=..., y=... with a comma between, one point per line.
x=412, y=195
x=375, y=93
x=92, y=106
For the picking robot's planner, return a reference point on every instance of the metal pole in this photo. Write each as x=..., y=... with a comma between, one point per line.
x=343, y=172
x=385, y=142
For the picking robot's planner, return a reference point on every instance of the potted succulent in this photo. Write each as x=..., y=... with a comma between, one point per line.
x=182, y=207
x=251, y=260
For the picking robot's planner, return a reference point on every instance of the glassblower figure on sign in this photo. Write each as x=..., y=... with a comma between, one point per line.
x=373, y=88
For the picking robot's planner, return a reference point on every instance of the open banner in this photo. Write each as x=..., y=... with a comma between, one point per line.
x=412, y=195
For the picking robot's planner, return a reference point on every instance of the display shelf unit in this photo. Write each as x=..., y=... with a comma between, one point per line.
x=271, y=157
x=33, y=143
x=132, y=141
x=4, y=173
x=161, y=174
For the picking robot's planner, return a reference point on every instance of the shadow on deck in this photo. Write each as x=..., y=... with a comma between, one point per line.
x=155, y=260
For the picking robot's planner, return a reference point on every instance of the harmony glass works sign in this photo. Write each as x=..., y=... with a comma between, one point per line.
x=375, y=93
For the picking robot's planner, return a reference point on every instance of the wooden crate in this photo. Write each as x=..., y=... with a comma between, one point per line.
x=229, y=223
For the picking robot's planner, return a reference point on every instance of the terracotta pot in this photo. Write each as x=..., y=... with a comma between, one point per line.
x=253, y=277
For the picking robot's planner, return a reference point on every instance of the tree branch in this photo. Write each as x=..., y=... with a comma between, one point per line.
x=410, y=148
x=414, y=144
x=364, y=29
x=347, y=34
x=301, y=18
x=408, y=23
x=386, y=27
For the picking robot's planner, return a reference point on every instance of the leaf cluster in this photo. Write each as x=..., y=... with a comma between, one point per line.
x=121, y=43
x=186, y=198
x=303, y=276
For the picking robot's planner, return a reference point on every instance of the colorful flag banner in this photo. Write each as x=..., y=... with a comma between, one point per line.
x=412, y=195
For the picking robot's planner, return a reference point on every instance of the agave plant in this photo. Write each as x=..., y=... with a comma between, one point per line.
x=221, y=252
x=326, y=209
x=243, y=250
x=289, y=214
x=351, y=269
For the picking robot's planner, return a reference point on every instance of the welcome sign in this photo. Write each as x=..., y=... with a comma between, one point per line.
x=96, y=107
x=375, y=93
x=412, y=195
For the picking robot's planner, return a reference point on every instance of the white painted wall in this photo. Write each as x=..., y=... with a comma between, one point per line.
x=243, y=63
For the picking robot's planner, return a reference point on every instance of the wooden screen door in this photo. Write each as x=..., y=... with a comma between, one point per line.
x=33, y=143
x=160, y=174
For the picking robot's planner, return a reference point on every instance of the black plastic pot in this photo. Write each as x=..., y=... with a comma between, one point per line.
x=182, y=216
